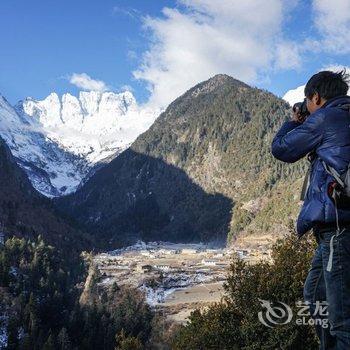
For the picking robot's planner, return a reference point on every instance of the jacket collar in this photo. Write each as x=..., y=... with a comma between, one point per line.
x=337, y=101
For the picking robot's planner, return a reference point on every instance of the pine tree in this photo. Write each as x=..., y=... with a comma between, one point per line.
x=63, y=340
x=127, y=343
x=12, y=333
x=50, y=342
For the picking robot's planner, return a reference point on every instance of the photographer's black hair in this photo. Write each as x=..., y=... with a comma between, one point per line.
x=328, y=84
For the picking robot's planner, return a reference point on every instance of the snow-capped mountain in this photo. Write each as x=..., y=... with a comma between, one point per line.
x=59, y=141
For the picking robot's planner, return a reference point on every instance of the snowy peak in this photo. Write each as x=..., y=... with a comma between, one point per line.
x=4, y=103
x=10, y=118
x=46, y=112
x=92, y=113
x=95, y=125
x=58, y=141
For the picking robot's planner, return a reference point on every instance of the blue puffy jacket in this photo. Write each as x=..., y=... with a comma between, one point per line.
x=326, y=132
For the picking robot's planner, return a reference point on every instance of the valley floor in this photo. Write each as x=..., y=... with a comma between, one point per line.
x=176, y=278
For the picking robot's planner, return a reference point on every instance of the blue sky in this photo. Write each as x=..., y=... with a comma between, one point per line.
x=159, y=53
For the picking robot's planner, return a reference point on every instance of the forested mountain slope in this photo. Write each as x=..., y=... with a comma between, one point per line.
x=202, y=171
x=26, y=213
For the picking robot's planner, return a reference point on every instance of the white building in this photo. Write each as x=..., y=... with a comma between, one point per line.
x=212, y=250
x=164, y=268
x=169, y=251
x=209, y=262
x=189, y=251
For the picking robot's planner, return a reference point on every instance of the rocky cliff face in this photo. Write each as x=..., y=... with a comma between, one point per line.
x=189, y=175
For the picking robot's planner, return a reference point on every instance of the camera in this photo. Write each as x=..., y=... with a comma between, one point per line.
x=303, y=112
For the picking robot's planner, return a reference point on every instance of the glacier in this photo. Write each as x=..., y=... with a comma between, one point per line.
x=59, y=142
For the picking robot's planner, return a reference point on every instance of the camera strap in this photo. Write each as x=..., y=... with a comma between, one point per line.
x=311, y=158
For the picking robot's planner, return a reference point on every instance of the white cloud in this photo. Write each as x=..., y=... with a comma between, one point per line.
x=204, y=37
x=294, y=95
x=332, y=19
x=85, y=82
x=288, y=56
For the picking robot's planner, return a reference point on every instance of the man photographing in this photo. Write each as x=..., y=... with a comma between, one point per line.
x=320, y=128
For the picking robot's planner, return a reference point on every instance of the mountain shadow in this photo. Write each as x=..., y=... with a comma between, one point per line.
x=24, y=212
x=138, y=196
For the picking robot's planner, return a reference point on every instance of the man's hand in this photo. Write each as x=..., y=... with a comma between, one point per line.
x=296, y=117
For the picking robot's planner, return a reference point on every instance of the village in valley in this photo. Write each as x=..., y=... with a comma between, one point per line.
x=175, y=278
